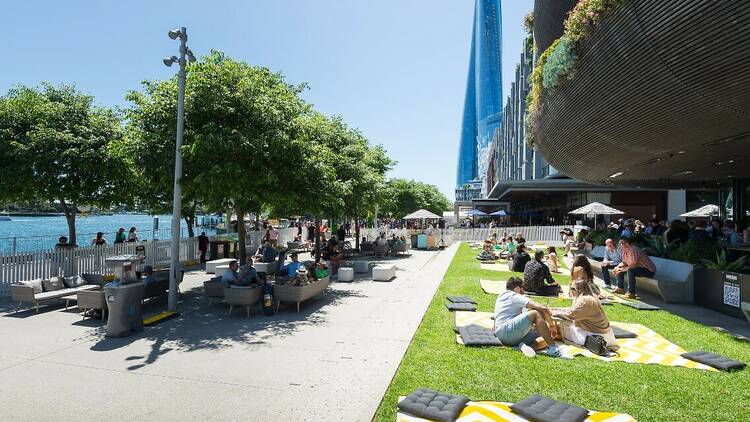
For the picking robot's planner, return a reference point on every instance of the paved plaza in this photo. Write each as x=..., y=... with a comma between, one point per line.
x=332, y=361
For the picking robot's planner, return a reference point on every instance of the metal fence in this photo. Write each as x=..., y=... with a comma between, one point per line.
x=19, y=244
x=547, y=234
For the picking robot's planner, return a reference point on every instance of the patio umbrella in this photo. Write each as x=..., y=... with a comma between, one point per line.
x=596, y=208
x=421, y=214
x=474, y=213
x=704, y=211
x=500, y=213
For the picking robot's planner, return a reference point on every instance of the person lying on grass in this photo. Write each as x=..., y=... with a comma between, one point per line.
x=514, y=327
x=585, y=317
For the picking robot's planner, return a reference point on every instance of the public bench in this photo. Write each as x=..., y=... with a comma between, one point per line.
x=672, y=281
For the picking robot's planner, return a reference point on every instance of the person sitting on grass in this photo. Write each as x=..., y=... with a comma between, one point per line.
x=535, y=274
x=520, y=259
x=585, y=317
x=552, y=260
x=635, y=263
x=487, y=253
x=581, y=268
x=514, y=327
x=231, y=275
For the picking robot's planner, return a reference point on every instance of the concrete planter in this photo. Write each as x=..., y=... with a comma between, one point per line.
x=722, y=291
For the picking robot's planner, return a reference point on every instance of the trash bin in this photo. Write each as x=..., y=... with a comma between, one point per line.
x=218, y=249
x=124, y=304
x=422, y=241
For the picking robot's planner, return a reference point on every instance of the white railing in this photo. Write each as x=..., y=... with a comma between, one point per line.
x=48, y=263
x=547, y=234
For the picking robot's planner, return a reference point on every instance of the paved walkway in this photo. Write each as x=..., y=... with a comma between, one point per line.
x=333, y=361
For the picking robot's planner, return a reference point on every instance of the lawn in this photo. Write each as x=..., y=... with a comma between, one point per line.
x=647, y=392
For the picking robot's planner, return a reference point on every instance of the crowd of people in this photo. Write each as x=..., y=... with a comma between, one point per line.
x=725, y=231
x=519, y=321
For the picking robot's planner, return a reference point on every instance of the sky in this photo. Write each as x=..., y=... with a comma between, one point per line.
x=395, y=69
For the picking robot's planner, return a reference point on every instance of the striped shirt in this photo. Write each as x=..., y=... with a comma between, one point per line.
x=633, y=257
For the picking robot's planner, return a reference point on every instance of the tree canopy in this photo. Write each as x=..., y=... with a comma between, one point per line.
x=55, y=145
x=406, y=196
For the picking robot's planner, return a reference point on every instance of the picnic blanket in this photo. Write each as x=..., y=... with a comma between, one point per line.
x=500, y=411
x=492, y=287
x=648, y=348
x=495, y=287
x=495, y=267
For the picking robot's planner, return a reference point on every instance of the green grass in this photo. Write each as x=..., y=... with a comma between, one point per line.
x=647, y=392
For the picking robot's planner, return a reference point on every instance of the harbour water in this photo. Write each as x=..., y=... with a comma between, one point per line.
x=35, y=233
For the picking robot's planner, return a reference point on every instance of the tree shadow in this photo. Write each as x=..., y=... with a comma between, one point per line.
x=204, y=327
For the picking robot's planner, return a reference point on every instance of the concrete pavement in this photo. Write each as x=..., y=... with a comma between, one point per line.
x=333, y=361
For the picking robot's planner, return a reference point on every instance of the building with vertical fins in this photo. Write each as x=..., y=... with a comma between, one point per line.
x=483, y=104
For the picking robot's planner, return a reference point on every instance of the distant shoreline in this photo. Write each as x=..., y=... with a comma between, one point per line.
x=44, y=214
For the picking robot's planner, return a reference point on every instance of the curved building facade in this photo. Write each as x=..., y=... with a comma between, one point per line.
x=483, y=105
x=660, y=98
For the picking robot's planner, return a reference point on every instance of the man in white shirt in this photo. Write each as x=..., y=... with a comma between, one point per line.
x=514, y=327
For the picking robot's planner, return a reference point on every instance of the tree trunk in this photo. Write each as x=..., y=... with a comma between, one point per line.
x=356, y=232
x=70, y=217
x=317, y=240
x=242, y=232
x=190, y=220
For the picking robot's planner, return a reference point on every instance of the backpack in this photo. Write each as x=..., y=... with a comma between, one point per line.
x=267, y=302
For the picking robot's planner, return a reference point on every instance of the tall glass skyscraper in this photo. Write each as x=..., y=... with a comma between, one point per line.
x=483, y=104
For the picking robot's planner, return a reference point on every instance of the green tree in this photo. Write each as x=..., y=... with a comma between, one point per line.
x=55, y=145
x=149, y=147
x=406, y=196
x=245, y=146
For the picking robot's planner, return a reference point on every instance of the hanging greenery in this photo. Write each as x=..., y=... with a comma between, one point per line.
x=558, y=61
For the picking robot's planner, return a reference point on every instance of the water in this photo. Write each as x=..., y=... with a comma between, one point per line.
x=35, y=233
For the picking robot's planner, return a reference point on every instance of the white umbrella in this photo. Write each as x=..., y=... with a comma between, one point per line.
x=596, y=208
x=704, y=211
x=421, y=214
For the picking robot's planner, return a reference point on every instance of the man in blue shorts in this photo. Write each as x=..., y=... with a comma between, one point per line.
x=514, y=327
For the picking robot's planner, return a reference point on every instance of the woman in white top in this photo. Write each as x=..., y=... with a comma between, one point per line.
x=552, y=260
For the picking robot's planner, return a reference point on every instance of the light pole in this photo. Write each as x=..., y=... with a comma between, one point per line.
x=185, y=55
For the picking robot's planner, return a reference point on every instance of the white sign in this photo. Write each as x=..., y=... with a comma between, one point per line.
x=732, y=294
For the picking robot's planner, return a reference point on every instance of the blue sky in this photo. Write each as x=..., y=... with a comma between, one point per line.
x=396, y=69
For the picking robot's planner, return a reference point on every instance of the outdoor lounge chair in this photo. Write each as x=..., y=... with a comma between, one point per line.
x=214, y=289
x=242, y=296
x=92, y=300
x=299, y=294
x=34, y=292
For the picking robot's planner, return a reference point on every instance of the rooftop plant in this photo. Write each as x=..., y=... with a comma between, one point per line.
x=562, y=55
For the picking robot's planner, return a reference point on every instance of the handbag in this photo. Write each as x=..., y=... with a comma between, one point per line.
x=596, y=344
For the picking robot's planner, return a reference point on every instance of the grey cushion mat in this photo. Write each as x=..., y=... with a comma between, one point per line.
x=461, y=307
x=606, y=302
x=642, y=306
x=542, y=409
x=475, y=335
x=714, y=360
x=433, y=405
x=622, y=333
x=461, y=299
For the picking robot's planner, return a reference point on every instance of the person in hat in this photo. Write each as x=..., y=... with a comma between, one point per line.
x=290, y=270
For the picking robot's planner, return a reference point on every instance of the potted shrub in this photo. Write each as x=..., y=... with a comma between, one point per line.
x=719, y=285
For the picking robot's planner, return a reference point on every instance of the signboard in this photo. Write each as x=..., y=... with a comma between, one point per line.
x=731, y=294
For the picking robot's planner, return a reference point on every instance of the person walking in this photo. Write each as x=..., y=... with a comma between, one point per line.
x=203, y=245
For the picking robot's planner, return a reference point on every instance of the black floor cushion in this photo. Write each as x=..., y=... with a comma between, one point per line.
x=461, y=299
x=642, y=306
x=713, y=360
x=623, y=333
x=433, y=405
x=606, y=302
x=542, y=409
x=475, y=335
x=461, y=307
